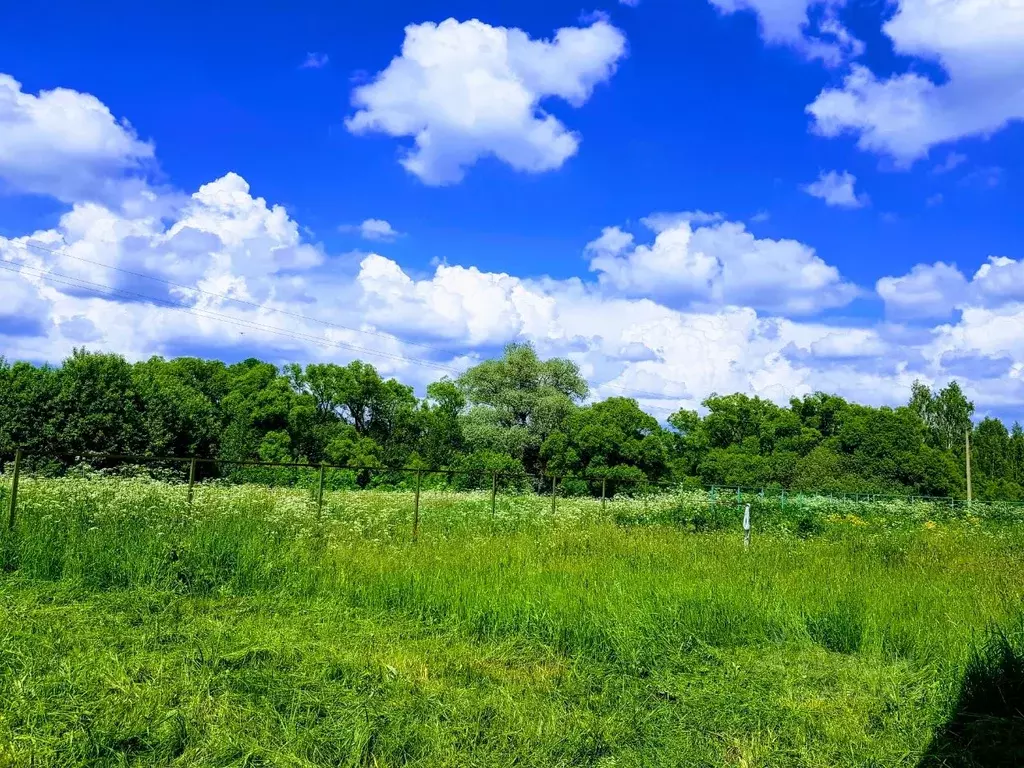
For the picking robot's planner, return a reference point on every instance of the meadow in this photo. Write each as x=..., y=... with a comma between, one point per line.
x=252, y=628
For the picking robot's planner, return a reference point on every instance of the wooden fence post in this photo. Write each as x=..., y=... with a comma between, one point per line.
x=12, y=512
x=604, y=482
x=191, y=479
x=416, y=513
x=320, y=495
x=494, y=492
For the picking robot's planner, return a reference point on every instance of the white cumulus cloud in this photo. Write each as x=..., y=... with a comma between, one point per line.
x=373, y=229
x=979, y=45
x=817, y=35
x=928, y=290
x=717, y=262
x=467, y=90
x=460, y=303
x=266, y=292
x=119, y=275
x=999, y=280
x=675, y=357
x=934, y=290
x=64, y=143
x=837, y=189
x=222, y=272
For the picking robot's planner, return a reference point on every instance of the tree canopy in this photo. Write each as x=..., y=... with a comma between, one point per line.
x=515, y=413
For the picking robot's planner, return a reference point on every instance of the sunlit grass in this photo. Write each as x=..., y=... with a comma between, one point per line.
x=252, y=627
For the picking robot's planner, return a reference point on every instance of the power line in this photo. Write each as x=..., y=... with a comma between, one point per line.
x=297, y=315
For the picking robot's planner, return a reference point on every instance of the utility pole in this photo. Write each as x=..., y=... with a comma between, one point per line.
x=968, y=439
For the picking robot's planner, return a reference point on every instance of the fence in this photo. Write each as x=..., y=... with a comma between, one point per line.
x=609, y=484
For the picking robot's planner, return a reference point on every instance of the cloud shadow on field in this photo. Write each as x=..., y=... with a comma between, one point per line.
x=986, y=726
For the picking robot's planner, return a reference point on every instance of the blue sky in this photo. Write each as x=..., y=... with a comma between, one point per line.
x=856, y=165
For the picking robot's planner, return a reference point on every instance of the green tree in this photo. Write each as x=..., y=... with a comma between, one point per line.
x=736, y=465
x=748, y=441
x=689, y=442
x=952, y=417
x=27, y=398
x=476, y=471
x=945, y=415
x=999, y=490
x=820, y=412
x=513, y=413
x=990, y=450
x=181, y=405
x=259, y=401
x=885, y=448
x=922, y=403
x=347, y=447
x=96, y=406
x=518, y=400
x=355, y=395
x=732, y=419
x=822, y=469
x=612, y=433
x=1016, y=470
x=442, y=440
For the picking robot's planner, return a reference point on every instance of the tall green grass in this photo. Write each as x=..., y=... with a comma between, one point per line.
x=249, y=628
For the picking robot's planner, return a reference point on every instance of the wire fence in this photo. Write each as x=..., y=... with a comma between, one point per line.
x=192, y=471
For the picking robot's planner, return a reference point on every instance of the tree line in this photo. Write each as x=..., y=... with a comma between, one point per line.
x=516, y=413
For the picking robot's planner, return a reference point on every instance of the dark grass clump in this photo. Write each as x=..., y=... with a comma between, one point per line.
x=839, y=627
x=986, y=726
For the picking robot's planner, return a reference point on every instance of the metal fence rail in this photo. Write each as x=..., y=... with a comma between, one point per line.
x=540, y=483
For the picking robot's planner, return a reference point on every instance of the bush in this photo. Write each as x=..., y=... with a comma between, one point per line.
x=808, y=524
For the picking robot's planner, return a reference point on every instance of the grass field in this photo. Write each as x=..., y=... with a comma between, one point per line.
x=245, y=630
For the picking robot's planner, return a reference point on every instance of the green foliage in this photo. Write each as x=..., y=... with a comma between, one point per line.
x=480, y=469
x=990, y=443
x=615, y=433
x=180, y=401
x=999, y=489
x=839, y=627
x=96, y=406
x=820, y=443
x=246, y=630
x=945, y=415
x=518, y=401
x=27, y=398
x=528, y=411
x=442, y=441
x=822, y=469
x=986, y=720
x=1016, y=454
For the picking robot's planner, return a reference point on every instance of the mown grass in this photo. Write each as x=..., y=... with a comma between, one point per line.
x=248, y=630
